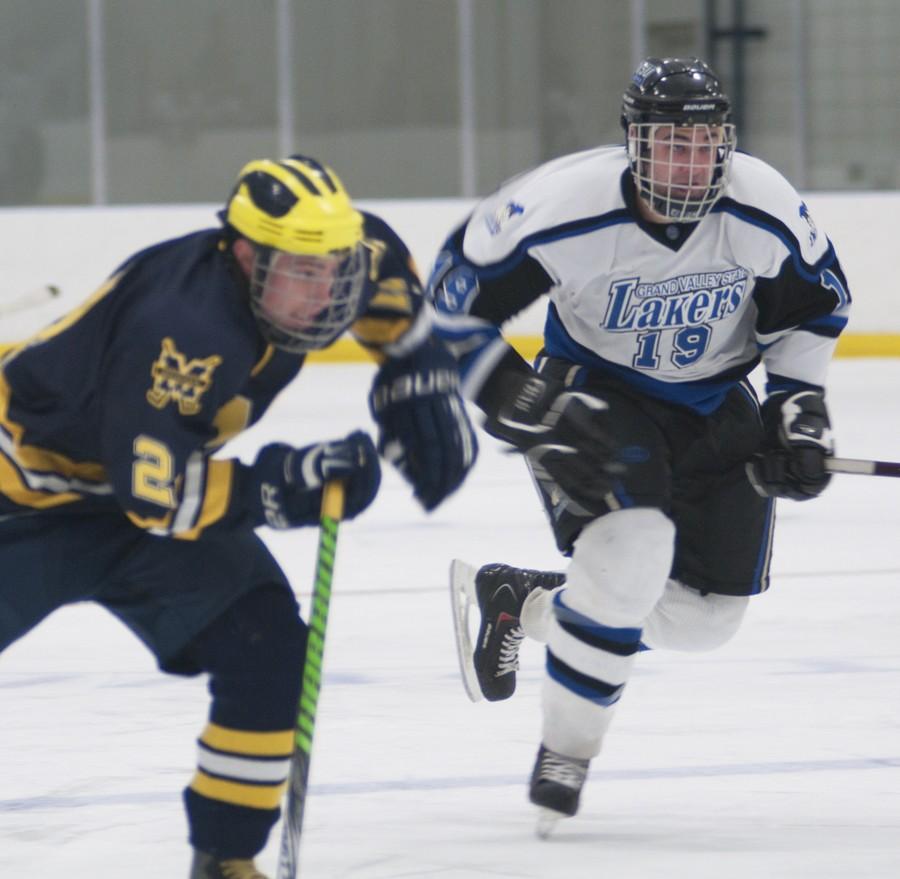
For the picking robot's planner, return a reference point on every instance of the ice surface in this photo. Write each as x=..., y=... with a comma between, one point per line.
x=777, y=755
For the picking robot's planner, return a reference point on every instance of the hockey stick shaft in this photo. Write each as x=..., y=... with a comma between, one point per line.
x=295, y=804
x=862, y=468
x=29, y=299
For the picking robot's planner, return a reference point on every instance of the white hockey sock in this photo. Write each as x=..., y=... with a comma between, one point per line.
x=537, y=613
x=685, y=619
x=617, y=574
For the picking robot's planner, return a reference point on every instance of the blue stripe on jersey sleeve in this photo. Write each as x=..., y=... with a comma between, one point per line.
x=455, y=283
x=451, y=256
x=762, y=220
x=554, y=233
x=830, y=325
x=467, y=339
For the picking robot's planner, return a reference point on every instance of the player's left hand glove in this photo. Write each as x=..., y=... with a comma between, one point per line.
x=424, y=429
x=797, y=442
x=564, y=435
x=288, y=483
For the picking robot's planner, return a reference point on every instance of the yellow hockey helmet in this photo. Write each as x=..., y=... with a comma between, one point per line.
x=296, y=205
x=308, y=268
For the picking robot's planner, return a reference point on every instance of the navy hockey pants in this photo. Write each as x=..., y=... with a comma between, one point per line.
x=216, y=605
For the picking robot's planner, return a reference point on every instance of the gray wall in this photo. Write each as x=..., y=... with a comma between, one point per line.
x=143, y=101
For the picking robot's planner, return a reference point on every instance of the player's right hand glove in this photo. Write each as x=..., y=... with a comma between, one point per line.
x=290, y=482
x=424, y=430
x=797, y=442
x=562, y=435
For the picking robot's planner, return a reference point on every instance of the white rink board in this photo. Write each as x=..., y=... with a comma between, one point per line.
x=76, y=248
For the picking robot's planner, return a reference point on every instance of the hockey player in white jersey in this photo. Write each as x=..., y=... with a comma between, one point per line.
x=673, y=267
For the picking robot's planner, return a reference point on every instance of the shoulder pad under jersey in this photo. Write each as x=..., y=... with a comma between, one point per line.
x=763, y=196
x=565, y=190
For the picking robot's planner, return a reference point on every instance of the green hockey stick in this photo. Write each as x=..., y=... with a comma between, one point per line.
x=295, y=804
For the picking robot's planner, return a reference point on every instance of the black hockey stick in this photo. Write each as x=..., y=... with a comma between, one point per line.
x=862, y=468
x=295, y=804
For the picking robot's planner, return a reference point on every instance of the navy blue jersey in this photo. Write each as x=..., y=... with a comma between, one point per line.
x=122, y=402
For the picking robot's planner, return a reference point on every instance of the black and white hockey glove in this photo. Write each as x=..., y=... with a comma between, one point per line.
x=289, y=482
x=424, y=430
x=797, y=443
x=562, y=435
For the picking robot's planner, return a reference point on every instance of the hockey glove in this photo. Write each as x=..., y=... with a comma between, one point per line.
x=424, y=430
x=290, y=481
x=561, y=433
x=797, y=442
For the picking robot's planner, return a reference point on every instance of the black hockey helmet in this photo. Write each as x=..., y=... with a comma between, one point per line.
x=679, y=136
x=684, y=91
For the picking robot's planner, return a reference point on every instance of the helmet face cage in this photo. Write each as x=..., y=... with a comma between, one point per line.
x=680, y=140
x=308, y=268
x=304, y=302
x=680, y=171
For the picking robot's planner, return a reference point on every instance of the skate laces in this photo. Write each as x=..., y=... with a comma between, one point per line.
x=566, y=771
x=508, y=659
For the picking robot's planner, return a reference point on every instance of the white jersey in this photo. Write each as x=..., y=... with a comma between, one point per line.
x=681, y=311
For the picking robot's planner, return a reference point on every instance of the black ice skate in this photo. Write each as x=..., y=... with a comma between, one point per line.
x=497, y=592
x=208, y=867
x=556, y=783
x=501, y=591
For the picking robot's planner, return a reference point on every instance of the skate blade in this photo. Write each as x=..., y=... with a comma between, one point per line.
x=546, y=822
x=464, y=604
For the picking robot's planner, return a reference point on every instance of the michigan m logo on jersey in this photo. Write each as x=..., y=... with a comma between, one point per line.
x=179, y=380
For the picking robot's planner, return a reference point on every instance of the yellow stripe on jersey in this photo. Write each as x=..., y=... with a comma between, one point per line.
x=150, y=523
x=254, y=796
x=15, y=489
x=377, y=331
x=66, y=321
x=374, y=332
x=231, y=419
x=393, y=293
x=215, y=499
x=267, y=356
x=49, y=470
x=256, y=744
x=35, y=458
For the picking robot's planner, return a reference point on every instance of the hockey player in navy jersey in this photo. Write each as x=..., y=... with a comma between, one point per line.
x=673, y=267
x=109, y=419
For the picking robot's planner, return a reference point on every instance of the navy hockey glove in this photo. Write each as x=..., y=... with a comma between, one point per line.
x=561, y=433
x=424, y=430
x=797, y=443
x=290, y=481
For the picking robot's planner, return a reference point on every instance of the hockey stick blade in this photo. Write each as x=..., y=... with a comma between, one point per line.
x=31, y=299
x=862, y=468
x=463, y=603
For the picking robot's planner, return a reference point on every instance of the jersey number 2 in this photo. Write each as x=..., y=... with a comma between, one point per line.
x=151, y=473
